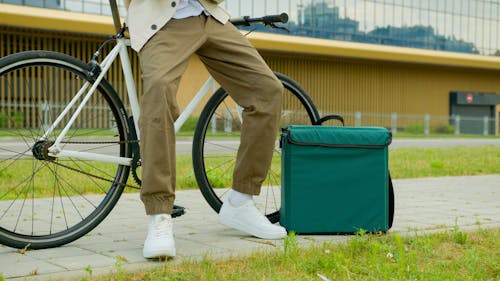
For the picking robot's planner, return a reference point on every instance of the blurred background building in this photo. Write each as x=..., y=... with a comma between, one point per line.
x=412, y=65
x=469, y=26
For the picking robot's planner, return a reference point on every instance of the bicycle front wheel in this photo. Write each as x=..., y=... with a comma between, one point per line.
x=216, y=141
x=47, y=201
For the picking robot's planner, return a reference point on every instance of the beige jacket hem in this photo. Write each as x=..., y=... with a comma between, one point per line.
x=146, y=17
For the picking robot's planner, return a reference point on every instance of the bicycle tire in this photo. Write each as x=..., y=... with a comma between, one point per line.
x=71, y=196
x=298, y=108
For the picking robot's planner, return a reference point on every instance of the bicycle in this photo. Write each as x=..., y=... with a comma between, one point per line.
x=65, y=164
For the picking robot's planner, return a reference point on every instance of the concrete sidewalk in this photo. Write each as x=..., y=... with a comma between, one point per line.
x=427, y=204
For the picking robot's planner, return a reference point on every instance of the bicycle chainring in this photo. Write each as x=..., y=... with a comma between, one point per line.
x=136, y=163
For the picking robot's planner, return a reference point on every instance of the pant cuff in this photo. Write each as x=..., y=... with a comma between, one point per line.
x=247, y=188
x=158, y=204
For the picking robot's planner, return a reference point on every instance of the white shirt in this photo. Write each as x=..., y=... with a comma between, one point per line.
x=188, y=8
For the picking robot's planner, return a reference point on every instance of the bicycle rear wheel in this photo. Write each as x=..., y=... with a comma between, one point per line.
x=45, y=201
x=217, y=138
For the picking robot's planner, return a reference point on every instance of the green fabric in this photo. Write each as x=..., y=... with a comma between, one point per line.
x=334, y=189
x=325, y=135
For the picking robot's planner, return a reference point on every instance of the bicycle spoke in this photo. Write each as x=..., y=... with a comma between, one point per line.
x=68, y=196
x=60, y=199
x=24, y=201
x=15, y=187
x=92, y=178
x=72, y=187
x=220, y=145
x=225, y=163
x=52, y=209
x=274, y=177
x=210, y=156
x=33, y=200
x=220, y=110
x=13, y=160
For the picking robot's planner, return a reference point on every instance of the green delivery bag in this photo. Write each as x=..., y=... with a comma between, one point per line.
x=335, y=179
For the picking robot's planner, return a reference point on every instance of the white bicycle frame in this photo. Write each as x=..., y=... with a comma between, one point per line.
x=121, y=49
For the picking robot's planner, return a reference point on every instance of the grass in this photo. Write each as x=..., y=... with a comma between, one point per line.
x=403, y=163
x=45, y=183
x=450, y=161
x=441, y=136
x=450, y=255
x=29, y=133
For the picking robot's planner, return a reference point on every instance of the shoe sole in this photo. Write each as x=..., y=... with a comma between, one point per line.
x=158, y=254
x=240, y=227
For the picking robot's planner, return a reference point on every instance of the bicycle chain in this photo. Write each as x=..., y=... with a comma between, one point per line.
x=177, y=210
x=136, y=161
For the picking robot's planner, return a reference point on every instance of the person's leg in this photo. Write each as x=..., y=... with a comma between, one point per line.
x=238, y=67
x=163, y=61
x=242, y=72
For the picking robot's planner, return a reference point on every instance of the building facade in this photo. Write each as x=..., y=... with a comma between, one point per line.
x=342, y=75
x=469, y=26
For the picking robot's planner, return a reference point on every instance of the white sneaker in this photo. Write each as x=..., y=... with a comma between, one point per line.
x=248, y=219
x=160, y=240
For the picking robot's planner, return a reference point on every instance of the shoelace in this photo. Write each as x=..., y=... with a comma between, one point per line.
x=162, y=227
x=259, y=216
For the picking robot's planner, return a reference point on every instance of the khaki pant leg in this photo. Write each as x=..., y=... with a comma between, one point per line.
x=163, y=61
x=239, y=68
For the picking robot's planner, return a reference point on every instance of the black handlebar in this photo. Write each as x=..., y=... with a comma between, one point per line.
x=266, y=20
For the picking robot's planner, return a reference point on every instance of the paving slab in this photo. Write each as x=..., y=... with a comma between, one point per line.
x=422, y=205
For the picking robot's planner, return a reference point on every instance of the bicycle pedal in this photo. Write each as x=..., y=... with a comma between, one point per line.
x=178, y=211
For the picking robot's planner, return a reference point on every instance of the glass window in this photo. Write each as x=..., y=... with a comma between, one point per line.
x=270, y=7
x=258, y=7
x=456, y=27
x=245, y=9
x=74, y=5
x=17, y=2
x=414, y=18
x=285, y=6
x=424, y=17
x=449, y=5
x=441, y=5
x=433, y=19
x=448, y=25
x=91, y=7
x=471, y=8
x=433, y=5
x=406, y=16
x=379, y=14
x=233, y=8
x=495, y=38
x=389, y=15
x=440, y=24
x=482, y=33
x=368, y=16
x=455, y=7
x=495, y=11
x=351, y=6
x=463, y=6
x=491, y=34
x=35, y=3
x=398, y=13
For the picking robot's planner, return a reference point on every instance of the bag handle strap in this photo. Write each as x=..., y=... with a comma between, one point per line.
x=330, y=117
x=391, y=202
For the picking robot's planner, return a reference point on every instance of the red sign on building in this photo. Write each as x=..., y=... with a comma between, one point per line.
x=470, y=97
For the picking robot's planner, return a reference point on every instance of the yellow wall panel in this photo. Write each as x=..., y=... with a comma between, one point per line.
x=336, y=84
x=345, y=85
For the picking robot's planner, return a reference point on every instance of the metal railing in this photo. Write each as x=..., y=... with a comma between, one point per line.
x=424, y=124
x=19, y=115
